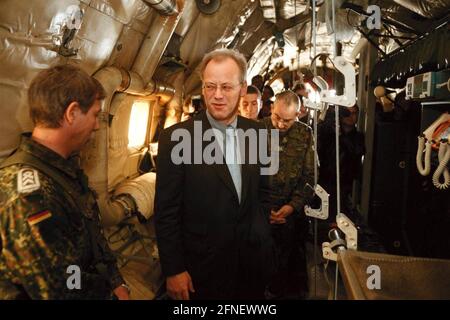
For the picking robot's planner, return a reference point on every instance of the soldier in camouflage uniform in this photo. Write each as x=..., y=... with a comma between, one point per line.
x=49, y=219
x=287, y=194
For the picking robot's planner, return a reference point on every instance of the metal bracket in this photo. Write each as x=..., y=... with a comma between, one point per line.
x=64, y=48
x=323, y=86
x=313, y=105
x=348, y=99
x=71, y=24
x=321, y=83
x=329, y=250
x=322, y=212
x=349, y=229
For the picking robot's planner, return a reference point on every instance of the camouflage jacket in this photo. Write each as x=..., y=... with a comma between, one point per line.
x=296, y=168
x=45, y=228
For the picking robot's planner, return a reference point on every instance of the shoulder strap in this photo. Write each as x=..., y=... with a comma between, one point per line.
x=25, y=158
x=22, y=157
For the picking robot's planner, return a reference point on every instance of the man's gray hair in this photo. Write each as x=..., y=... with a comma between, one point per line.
x=222, y=54
x=289, y=98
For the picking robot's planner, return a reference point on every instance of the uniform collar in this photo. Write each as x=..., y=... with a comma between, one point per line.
x=68, y=166
x=288, y=133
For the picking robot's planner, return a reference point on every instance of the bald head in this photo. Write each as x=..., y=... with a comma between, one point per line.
x=286, y=110
x=289, y=99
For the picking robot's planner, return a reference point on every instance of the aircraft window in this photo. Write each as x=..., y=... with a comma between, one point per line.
x=137, y=127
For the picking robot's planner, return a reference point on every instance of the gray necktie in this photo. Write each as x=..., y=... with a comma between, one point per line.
x=231, y=158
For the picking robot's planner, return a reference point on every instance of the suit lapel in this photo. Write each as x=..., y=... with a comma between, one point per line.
x=245, y=167
x=224, y=174
x=220, y=169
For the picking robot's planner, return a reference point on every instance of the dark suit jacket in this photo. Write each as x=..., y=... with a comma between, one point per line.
x=200, y=225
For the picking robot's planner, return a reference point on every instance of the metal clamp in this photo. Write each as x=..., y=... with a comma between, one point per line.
x=349, y=229
x=313, y=105
x=329, y=250
x=323, y=86
x=322, y=212
x=348, y=99
x=337, y=244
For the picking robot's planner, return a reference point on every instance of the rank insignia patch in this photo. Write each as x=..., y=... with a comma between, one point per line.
x=38, y=217
x=27, y=180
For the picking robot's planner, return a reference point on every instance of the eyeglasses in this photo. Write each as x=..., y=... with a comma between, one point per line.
x=225, y=88
x=285, y=121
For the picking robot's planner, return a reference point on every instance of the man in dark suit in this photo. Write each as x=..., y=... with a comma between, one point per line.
x=214, y=241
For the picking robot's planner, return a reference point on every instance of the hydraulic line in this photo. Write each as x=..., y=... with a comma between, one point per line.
x=333, y=14
x=338, y=191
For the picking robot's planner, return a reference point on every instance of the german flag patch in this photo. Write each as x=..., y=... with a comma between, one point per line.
x=39, y=217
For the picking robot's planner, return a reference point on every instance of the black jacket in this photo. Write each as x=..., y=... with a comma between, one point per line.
x=200, y=225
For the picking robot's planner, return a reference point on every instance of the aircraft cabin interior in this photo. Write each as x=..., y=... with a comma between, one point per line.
x=390, y=58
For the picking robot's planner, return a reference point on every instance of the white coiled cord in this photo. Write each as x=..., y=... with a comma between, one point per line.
x=423, y=144
x=444, y=157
